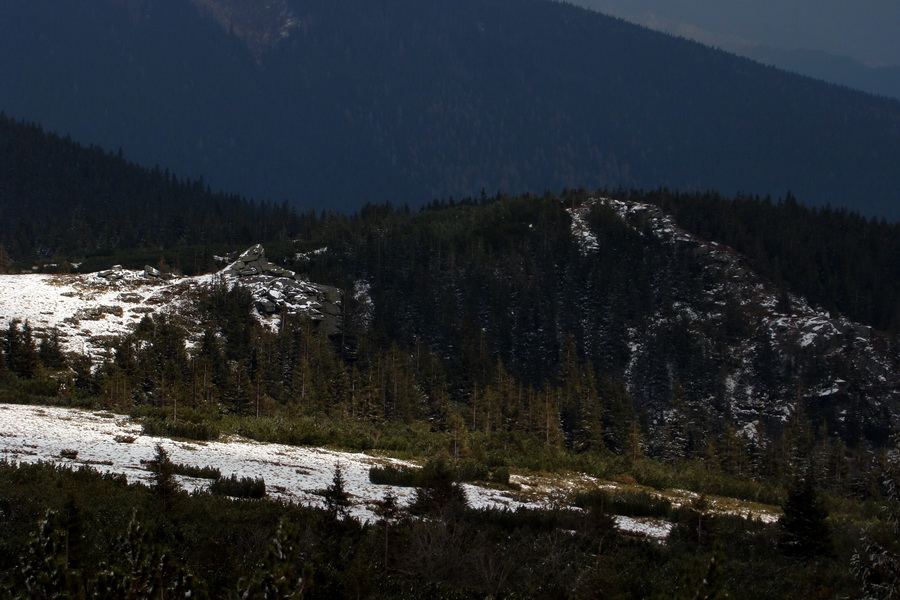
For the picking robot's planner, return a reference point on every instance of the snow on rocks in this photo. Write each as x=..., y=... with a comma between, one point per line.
x=794, y=331
x=279, y=291
x=586, y=239
x=89, y=310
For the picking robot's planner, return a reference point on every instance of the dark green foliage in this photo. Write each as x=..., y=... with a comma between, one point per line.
x=877, y=562
x=710, y=585
x=335, y=496
x=44, y=570
x=284, y=574
x=180, y=429
x=151, y=570
x=238, y=487
x=438, y=493
x=50, y=351
x=404, y=476
x=164, y=484
x=224, y=547
x=198, y=472
x=632, y=504
x=398, y=475
x=696, y=524
x=804, y=529
x=20, y=351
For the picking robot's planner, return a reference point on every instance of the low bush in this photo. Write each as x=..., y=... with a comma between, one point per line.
x=626, y=503
x=405, y=476
x=181, y=429
x=198, y=472
x=239, y=487
x=398, y=475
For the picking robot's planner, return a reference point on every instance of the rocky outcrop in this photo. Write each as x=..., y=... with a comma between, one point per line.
x=279, y=291
x=751, y=351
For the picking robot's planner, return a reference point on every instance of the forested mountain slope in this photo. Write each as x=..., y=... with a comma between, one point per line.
x=545, y=290
x=686, y=324
x=60, y=199
x=406, y=101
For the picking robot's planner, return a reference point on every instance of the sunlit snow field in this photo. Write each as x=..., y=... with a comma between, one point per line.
x=114, y=443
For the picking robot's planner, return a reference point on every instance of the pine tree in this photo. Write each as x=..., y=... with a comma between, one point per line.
x=21, y=353
x=164, y=484
x=388, y=511
x=439, y=492
x=804, y=529
x=337, y=500
x=43, y=570
x=50, y=351
x=150, y=570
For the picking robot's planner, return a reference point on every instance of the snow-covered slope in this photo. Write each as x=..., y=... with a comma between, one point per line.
x=89, y=310
x=113, y=443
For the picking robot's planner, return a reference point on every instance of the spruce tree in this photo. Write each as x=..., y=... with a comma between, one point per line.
x=439, y=492
x=43, y=571
x=804, y=529
x=337, y=500
x=164, y=483
x=50, y=351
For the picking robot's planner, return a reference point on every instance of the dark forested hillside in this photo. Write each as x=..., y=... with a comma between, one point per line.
x=59, y=199
x=667, y=314
x=827, y=255
x=405, y=101
x=513, y=296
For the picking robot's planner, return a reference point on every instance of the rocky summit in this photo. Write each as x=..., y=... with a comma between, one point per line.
x=280, y=291
x=89, y=311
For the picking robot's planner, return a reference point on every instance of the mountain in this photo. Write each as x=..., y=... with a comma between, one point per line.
x=690, y=309
x=546, y=291
x=883, y=81
x=769, y=34
x=335, y=105
x=520, y=282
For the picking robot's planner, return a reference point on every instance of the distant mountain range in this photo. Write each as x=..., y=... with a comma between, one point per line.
x=334, y=105
x=871, y=68
x=883, y=81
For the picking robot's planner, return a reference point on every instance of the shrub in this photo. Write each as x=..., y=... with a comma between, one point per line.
x=398, y=475
x=235, y=487
x=198, y=472
x=180, y=429
x=403, y=476
x=630, y=504
x=438, y=491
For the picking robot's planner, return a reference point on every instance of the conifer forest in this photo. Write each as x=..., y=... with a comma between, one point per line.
x=417, y=299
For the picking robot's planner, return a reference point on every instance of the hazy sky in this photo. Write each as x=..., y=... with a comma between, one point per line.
x=867, y=30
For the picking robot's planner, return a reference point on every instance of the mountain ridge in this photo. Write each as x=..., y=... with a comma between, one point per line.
x=422, y=101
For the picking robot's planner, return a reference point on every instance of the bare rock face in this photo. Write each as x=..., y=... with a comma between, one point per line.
x=846, y=372
x=279, y=291
x=260, y=25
